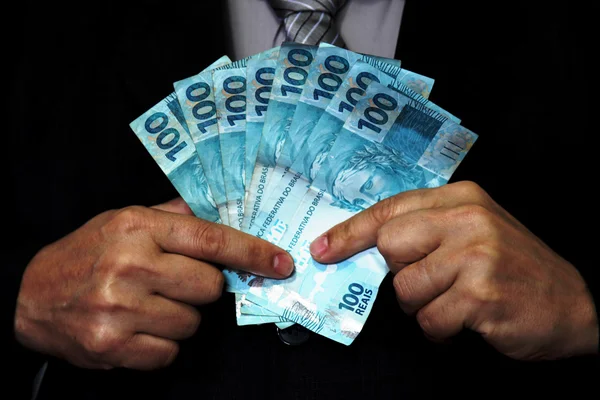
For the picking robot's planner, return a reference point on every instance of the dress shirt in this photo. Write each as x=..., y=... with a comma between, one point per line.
x=367, y=26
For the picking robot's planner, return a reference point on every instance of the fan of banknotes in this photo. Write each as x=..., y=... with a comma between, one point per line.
x=289, y=142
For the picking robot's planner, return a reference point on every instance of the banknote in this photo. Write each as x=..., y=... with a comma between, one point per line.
x=260, y=73
x=244, y=320
x=295, y=180
x=169, y=143
x=230, y=98
x=290, y=76
x=248, y=313
x=390, y=144
x=246, y=307
x=197, y=100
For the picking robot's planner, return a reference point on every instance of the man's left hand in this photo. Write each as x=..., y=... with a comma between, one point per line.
x=462, y=261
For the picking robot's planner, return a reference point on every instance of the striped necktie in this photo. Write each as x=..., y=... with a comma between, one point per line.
x=309, y=21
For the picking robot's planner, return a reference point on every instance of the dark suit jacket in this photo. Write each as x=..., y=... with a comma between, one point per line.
x=515, y=73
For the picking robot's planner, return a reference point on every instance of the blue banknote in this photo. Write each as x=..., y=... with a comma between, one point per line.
x=290, y=76
x=390, y=144
x=246, y=307
x=230, y=99
x=197, y=101
x=248, y=313
x=260, y=73
x=244, y=320
x=169, y=143
x=294, y=183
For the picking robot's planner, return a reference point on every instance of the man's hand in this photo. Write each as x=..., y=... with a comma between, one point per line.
x=120, y=290
x=461, y=261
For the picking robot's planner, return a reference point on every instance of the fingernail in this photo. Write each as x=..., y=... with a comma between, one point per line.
x=319, y=246
x=283, y=264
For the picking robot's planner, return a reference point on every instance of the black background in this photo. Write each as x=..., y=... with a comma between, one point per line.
x=516, y=73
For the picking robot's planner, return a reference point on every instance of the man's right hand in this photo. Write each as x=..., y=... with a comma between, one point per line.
x=120, y=291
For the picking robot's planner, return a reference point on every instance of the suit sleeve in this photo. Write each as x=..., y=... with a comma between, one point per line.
x=24, y=363
x=594, y=288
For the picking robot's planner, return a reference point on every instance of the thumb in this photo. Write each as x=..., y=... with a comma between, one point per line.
x=176, y=206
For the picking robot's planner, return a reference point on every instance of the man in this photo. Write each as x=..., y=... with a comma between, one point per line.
x=79, y=83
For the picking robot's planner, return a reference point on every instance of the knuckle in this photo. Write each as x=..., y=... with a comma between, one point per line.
x=106, y=301
x=194, y=322
x=403, y=288
x=480, y=290
x=384, y=211
x=124, y=221
x=483, y=292
x=187, y=322
x=385, y=239
x=487, y=328
x=475, y=214
x=427, y=321
x=341, y=233
x=170, y=354
x=116, y=263
x=216, y=288
x=471, y=191
x=210, y=239
x=100, y=340
x=481, y=257
x=427, y=271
